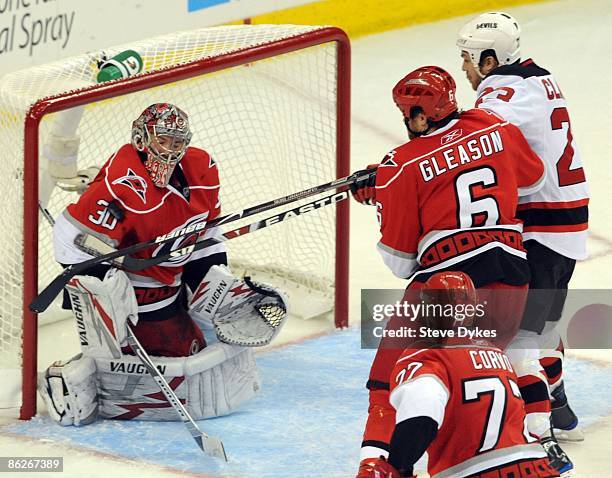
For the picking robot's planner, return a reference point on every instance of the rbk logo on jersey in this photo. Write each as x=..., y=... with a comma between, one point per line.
x=452, y=136
x=135, y=183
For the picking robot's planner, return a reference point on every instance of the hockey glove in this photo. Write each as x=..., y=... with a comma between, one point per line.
x=363, y=190
x=376, y=468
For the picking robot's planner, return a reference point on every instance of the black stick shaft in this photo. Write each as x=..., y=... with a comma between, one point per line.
x=46, y=296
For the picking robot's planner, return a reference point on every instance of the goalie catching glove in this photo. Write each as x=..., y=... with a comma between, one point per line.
x=241, y=312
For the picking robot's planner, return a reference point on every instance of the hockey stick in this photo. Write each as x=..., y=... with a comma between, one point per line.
x=45, y=212
x=46, y=296
x=208, y=444
x=250, y=211
x=136, y=264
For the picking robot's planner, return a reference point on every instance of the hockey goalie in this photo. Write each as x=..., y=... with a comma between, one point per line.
x=153, y=186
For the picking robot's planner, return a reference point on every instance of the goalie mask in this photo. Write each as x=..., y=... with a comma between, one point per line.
x=162, y=133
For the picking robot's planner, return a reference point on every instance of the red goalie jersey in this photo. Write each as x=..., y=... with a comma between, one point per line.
x=451, y=195
x=123, y=207
x=471, y=394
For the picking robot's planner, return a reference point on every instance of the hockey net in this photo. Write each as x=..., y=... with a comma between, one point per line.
x=269, y=102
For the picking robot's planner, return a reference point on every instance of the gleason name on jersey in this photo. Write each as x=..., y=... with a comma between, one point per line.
x=459, y=154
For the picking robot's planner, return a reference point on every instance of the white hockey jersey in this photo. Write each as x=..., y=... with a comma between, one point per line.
x=529, y=97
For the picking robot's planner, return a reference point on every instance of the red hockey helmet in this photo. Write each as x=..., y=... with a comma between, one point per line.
x=453, y=291
x=429, y=87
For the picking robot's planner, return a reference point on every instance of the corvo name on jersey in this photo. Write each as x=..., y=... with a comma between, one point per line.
x=133, y=368
x=458, y=154
x=77, y=309
x=306, y=208
x=186, y=230
x=490, y=359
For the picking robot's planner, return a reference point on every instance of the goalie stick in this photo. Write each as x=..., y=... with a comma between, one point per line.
x=208, y=444
x=46, y=296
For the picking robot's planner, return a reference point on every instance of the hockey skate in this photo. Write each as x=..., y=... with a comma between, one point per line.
x=564, y=420
x=557, y=457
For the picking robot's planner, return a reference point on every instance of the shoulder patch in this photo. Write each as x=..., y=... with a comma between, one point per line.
x=136, y=183
x=389, y=160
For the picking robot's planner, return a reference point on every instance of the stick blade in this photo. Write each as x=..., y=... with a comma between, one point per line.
x=42, y=301
x=212, y=446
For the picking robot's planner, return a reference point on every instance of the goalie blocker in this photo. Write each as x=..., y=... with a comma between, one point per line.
x=104, y=382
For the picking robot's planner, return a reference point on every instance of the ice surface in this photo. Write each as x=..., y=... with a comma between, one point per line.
x=308, y=419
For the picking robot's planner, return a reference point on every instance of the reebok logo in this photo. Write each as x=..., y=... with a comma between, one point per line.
x=452, y=136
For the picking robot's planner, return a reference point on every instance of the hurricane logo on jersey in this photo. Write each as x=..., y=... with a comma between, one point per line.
x=182, y=243
x=135, y=183
x=388, y=160
x=452, y=136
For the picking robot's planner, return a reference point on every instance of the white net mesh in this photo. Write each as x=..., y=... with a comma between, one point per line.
x=270, y=124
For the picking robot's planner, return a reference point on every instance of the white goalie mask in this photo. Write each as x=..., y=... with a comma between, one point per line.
x=496, y=31
x=162, y=133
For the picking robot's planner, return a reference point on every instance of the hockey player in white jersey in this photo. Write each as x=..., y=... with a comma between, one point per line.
x=556, y=217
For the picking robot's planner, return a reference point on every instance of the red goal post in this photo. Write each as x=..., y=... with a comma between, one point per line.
x=184, y=75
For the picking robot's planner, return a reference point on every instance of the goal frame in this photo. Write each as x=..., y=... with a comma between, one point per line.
x=141, y=82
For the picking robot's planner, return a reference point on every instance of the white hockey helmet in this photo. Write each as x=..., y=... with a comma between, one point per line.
x=496, y=31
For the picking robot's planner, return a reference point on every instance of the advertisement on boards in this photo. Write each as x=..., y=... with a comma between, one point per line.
x=33, y=32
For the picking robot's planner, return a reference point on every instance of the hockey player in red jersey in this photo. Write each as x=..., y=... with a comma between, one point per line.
x=154, y=186
x=447, y=200
x=457, y=399
x=556, y=217
x=148, y=188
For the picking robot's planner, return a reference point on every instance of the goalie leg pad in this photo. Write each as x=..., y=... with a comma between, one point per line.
x=242, y=312
x=220, y=390
x=211, y=383
x=101, y=309
x=69, y=389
